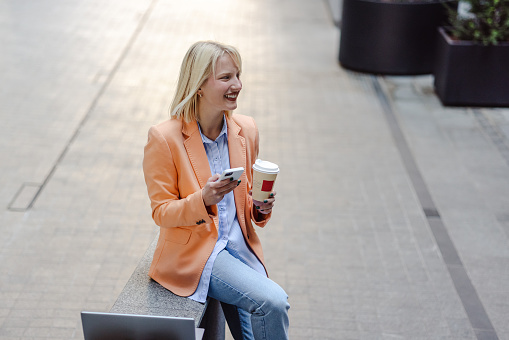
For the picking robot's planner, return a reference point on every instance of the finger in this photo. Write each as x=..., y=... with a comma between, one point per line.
x=214, y=178
x=264, y=206
x=265, y=211
x=271, y=198
x=228, y=187
x=224, y=185
x=266, y=201
x=267, y=206
x=227, y=181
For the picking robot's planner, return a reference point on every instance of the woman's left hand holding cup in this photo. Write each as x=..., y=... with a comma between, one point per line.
x=266, y=206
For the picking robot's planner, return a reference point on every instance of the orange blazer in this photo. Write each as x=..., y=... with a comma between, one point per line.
x=176, y=168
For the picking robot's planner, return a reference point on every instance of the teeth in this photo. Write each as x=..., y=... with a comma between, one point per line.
x=231, y=96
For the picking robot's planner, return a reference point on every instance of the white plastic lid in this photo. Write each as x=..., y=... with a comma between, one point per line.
x=265, y=166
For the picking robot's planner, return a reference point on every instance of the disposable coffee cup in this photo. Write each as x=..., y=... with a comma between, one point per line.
x=264, y=177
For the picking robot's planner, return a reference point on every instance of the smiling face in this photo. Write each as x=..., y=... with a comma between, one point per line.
x=220, y=91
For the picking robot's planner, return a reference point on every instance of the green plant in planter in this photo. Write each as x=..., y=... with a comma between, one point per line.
x=484, y=21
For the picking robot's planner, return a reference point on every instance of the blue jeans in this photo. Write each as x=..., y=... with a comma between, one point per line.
x=252, y=299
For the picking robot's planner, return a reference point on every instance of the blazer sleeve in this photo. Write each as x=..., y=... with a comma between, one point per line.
x=258, y=218
x=161, y=177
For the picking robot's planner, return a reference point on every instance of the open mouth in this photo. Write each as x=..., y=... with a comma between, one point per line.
x=231, y=96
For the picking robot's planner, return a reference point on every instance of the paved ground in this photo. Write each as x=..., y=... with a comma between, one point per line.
x=392, y=219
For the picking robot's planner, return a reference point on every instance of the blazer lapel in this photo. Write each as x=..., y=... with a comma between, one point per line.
x=196, y=152
x=237, y=150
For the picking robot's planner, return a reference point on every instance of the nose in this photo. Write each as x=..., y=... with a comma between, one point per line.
x=237, y=84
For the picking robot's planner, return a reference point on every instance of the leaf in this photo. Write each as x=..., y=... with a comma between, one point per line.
x=487, y=21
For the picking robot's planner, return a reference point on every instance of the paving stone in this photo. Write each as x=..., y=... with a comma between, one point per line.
x=348, y=240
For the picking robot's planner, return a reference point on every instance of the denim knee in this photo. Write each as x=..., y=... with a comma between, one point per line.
x=275, y=302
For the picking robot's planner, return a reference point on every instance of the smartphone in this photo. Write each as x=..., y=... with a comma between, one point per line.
x=232, y=173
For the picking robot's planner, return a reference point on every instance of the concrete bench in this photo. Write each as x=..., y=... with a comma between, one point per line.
x=144, y=296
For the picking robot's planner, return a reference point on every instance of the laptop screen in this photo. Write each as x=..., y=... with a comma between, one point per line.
x=112, y=326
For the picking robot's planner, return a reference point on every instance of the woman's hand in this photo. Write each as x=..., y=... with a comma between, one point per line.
x=214, y=191
x=266, y=206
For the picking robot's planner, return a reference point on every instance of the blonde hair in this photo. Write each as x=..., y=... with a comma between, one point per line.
x=198, y=65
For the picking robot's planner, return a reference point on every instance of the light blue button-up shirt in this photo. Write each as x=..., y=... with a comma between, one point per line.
x=229, y=233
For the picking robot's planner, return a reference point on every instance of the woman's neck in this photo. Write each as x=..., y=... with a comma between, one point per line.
x=211, y=125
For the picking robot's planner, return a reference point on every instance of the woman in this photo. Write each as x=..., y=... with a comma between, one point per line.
x=207, y=244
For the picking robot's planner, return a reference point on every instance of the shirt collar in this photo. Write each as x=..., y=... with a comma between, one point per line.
x=224, y=131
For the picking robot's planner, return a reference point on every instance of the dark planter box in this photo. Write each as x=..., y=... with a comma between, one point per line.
x=390, y=37
x=470, y=74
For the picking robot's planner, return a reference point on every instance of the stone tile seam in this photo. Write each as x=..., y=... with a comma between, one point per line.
x=12, y=204
x=89, y=111
x=472, y=304
x=336, y=21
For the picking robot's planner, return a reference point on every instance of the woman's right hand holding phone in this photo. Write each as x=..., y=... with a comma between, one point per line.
x=214, y=190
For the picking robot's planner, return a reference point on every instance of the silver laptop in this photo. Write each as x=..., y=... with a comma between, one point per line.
x=112, y=326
